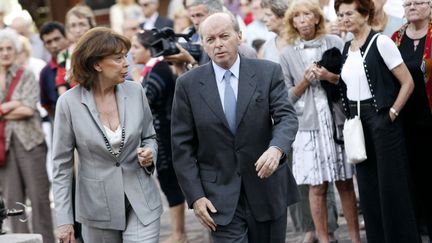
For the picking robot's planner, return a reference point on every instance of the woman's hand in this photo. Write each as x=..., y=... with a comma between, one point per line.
x=145, y=157
x=321, y=73
x=309, y=75
x=65, y=233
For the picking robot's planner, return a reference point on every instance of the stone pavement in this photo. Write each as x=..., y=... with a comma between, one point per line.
x=197, y=233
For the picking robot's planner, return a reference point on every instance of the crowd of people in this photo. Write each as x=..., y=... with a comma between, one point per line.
x=237, y=109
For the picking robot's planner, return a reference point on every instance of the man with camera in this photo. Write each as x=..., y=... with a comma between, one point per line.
x=199, y=10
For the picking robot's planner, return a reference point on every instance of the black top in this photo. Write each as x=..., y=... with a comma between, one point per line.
x=159, y=84
x=416, y=110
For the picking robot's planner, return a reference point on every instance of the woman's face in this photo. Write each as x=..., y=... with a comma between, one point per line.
x=272, y=22
x=305, y=23
x=351, y=19
x=76, y=27
x=113, y=68
x=417, y=10
x=140, y=54
x=7, y=53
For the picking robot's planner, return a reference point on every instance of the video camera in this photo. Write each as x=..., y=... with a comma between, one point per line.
x=165, y=40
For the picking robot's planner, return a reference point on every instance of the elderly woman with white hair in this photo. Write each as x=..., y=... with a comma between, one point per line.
x=22, y=145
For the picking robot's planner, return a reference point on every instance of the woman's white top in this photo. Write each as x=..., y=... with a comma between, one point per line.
x=353, y=70
x=114, y=138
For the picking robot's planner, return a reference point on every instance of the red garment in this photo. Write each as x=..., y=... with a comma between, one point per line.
x=10, y=91
x=149, y=65
x=248, y=18
x=427, y=56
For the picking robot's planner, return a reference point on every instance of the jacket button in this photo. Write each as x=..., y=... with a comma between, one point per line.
x=117, y=164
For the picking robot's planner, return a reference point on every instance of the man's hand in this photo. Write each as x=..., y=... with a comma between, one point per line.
x=268, y=162
x=184, y=57
x=201, y=207
x=145, y=157
x=65, y=233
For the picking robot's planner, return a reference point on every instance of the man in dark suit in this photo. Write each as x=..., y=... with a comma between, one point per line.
x=232, y=126
x=152, y=17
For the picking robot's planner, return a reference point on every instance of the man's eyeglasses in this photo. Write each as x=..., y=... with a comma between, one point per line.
x=348, y=14
x=415, y=4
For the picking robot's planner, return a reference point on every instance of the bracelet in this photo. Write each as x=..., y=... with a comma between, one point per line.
x=393, y=110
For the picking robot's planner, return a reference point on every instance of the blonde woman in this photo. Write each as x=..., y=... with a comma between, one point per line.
x=317, y=159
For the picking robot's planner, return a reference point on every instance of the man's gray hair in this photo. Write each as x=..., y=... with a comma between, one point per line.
x=278, y=7
x=12, y=36
x=213, y=6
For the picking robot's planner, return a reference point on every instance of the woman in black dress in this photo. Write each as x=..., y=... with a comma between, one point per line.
x=414, y=42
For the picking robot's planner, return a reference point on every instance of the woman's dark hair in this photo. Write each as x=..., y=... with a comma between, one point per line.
x=145, y=38
x=92, y=47
x=364, y=7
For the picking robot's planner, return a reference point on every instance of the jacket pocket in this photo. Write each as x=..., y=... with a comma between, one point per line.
x=93, y=204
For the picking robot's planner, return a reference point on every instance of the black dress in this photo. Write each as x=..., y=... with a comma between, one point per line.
x=417, y=120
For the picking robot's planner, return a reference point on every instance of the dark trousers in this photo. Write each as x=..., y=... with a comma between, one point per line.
x=420, y=161
x=245, y=229
x=383, y=180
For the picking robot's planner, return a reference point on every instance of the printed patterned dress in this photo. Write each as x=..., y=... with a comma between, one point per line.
x=316, y=156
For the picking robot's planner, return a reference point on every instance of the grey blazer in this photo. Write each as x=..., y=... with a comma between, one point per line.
x=212, y=162
x=103, y=179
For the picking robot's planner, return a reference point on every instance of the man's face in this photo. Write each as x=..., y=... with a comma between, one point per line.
x=220, y=40
x=149, y=7
x=130, y=27
x=54, y=42
x=198, y=14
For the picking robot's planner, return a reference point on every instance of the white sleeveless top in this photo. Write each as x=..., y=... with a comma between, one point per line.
x=114, y=138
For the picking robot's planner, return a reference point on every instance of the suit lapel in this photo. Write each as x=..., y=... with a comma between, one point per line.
x=121, y=104
x=246, y=88
x=87, y=98
x=209, y=92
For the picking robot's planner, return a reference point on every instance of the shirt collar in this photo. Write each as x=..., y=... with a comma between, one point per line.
x=219, y=71
x=153, y=18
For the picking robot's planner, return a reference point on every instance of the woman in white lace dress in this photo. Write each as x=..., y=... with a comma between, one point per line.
x=317, y=158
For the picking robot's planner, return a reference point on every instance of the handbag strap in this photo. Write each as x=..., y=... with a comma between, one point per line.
x=363, y=59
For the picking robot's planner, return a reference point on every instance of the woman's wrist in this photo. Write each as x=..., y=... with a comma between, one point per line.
x=394, y=111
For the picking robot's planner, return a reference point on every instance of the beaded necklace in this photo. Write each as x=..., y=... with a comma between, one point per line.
x=109, y=147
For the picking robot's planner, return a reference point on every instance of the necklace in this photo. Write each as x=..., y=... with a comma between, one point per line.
x=109, y=147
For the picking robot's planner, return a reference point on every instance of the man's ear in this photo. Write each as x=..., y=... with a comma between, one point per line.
x=240, y=36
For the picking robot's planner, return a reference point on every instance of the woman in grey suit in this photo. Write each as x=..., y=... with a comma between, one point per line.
x=109, y=123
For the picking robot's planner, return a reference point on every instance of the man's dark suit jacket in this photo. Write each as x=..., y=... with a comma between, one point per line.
x=163, y=22
x=212, y=162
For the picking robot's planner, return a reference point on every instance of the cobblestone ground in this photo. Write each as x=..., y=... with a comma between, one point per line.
x=197, y=234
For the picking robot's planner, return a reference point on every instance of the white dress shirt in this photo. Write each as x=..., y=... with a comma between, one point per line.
x=219, y=75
